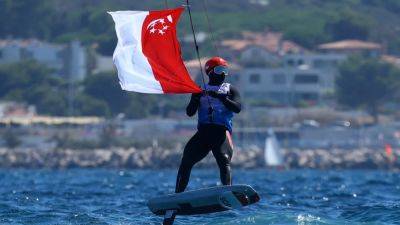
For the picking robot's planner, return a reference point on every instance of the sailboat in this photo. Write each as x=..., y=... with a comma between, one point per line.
x=272, y=153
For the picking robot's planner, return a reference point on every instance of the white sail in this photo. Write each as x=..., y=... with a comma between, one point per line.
x=272, y=152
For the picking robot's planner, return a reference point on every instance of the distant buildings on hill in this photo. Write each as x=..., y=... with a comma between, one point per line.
x=270, y=70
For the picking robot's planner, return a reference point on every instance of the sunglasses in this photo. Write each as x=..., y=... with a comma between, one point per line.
x=219, y=70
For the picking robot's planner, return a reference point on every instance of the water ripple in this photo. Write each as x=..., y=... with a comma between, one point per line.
x=98, y=196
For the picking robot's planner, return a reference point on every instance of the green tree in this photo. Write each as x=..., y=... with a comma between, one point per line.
x=105, y=87
x=34, y=84
x=21, y=76
x=26, y=19
x=366, y=83
x=308, y=22
x=349, y=25
x=90, y=106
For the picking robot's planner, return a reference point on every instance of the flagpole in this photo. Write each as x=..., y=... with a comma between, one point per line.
x=210, y=109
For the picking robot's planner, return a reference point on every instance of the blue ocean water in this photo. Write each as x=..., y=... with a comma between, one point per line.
x=100, y=196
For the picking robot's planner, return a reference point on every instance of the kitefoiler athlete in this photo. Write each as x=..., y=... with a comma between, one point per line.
x=215, y=106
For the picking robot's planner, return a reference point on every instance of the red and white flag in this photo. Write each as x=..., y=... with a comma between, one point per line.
x=148, y=55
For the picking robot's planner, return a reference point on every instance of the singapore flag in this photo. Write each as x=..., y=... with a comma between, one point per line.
x=148, y=56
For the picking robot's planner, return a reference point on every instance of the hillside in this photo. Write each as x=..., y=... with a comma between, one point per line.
x=307, y=22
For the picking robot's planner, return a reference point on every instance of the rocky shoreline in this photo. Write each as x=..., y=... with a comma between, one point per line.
x=156, y=158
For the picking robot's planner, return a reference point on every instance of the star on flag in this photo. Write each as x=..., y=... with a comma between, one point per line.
x=158, y=26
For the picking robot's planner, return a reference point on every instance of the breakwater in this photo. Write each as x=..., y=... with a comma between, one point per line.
x=164, y=158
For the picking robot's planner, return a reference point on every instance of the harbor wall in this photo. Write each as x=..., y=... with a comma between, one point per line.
x=155, y=158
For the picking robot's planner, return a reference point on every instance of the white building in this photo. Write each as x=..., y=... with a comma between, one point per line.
x=278, y=86
x=326, y=65
x=301, y=78
x=68, y=60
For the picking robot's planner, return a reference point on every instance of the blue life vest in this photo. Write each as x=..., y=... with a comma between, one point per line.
x=220, y=115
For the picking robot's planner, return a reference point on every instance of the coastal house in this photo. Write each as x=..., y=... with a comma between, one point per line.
x=280, y=86
x=313, y=74
x=67, y=60
x=280, y=72
x=308, y=78
x=258, y=49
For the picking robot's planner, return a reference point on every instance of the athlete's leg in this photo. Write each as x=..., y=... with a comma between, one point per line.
x=195, y=150
x=222, y=151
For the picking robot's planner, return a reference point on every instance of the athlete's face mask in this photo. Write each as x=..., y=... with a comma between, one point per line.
x=216, y=78
x=217, y=75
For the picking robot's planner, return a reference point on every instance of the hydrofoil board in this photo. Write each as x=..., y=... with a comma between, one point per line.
x=207, y=200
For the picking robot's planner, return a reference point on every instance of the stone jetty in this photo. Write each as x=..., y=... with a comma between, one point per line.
x=163, y=158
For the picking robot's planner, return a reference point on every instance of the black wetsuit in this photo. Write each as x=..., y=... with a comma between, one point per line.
x=209, y=137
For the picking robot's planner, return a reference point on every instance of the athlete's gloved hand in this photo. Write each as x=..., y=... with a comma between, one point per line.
x=197, y=96
x=215, y=94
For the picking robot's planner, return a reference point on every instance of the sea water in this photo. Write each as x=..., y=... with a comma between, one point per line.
x=101, y=196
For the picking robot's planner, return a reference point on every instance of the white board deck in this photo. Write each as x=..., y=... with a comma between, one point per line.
x=207, y=200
